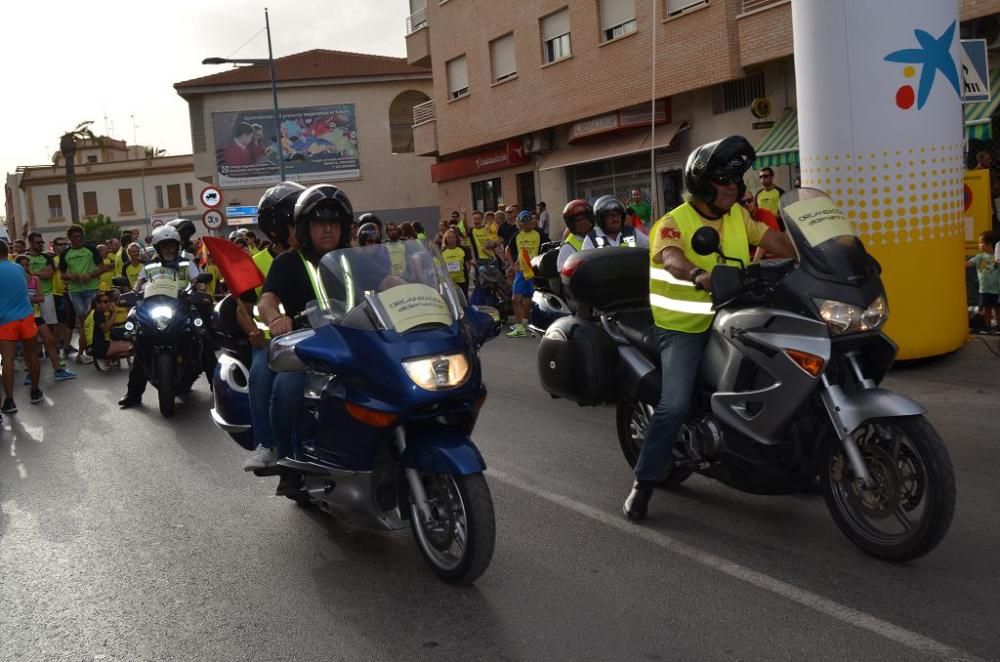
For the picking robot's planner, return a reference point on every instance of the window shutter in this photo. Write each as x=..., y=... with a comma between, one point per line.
x=616, y=12
x=555, y=25
x=504, y=63
x=458, y=76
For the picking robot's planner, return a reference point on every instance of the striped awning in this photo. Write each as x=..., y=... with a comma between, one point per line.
x=979, y=116
x=781, y=146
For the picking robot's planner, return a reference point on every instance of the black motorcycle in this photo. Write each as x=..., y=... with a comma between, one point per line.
x=170, y=332
x=789, y=379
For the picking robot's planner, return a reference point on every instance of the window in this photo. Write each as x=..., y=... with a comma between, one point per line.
x=504, y=64
x=736, y=94
x=458, y=78
x=402, y=119
x=188, y=195
x=90, y=203
x=92, y=158
x=55, y=206
x=617, y=18
x=555, y=36
x=675, y=7
x=173, y=196
x=196, y=113
x=159, y=197
x=125, y=204
x=486, y=195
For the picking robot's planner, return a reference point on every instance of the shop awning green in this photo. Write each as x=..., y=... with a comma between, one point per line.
x=979, y=116
x=781, y=146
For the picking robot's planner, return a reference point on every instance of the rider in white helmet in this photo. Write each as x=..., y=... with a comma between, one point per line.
x=170, y=263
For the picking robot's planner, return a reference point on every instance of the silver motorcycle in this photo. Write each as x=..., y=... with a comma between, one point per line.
x=789, y=386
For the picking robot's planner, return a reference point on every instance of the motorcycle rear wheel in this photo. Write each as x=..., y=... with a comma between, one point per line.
x=632, y=419
x=458, y=540
x=165, y=389
x=909, y=509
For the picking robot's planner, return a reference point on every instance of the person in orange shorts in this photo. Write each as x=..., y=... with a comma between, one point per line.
x=17, y=324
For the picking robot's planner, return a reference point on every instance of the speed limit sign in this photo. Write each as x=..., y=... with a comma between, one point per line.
x=212, y=219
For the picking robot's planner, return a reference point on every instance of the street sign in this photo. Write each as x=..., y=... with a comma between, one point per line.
x=211, y=197
x=212, y=219
x=241, y=212
x=159, y=220
x=975, y=71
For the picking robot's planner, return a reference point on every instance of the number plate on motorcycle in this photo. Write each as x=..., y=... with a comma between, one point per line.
x=414, y=304
x=163, y=287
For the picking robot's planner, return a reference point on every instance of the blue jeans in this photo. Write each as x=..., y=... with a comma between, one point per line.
x=274, y=404
x=82, y=302
x=680, y=364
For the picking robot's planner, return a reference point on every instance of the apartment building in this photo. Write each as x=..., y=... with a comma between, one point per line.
x=549, y=100
x=345, y=118
x=114, y=179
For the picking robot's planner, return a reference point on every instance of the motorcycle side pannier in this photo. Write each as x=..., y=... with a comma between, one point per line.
x=578, y=360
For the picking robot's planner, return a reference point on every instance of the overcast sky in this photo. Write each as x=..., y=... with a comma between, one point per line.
x=67, y=61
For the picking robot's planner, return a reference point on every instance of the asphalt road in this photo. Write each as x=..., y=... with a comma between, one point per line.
x=127, y=538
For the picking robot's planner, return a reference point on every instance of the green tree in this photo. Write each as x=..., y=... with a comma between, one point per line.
x=67, y=145
x=154, y=152
x=98, y=229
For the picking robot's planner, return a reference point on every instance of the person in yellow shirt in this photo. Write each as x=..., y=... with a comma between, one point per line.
x=479, y=234
x=104, y=283
x=133, y=264
x=456, y=261
x=769, y=195
x=523, y=246
x=680, y=285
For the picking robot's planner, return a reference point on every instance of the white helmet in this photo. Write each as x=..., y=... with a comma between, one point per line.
x=165, y=233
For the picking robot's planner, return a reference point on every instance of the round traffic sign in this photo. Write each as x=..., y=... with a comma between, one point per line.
x=211, y=197
x=212, y=219
x=157, y=223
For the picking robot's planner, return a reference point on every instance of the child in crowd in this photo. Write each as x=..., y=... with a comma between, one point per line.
x=989, y=280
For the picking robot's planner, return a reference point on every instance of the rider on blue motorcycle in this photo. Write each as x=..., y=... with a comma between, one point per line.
x=167, y=243
x=276, y=218
x=323, y=216
x=610, y=213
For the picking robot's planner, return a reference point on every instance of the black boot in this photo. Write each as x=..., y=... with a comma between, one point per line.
x=637, y=501
x=130, y=400
x=289, y=482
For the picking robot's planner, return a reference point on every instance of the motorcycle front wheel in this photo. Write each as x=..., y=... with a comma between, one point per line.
x=908, y=510
x=632, y=418
x=165, y=389
x=457, y=542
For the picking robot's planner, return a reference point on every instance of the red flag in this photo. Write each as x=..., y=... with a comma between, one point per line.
x=238, y=268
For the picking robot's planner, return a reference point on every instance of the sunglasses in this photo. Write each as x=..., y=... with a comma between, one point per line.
x=723, y=180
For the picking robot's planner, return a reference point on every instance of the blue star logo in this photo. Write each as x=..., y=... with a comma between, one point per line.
x=933, y=55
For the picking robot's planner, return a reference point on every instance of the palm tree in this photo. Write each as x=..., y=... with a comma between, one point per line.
x=153, y=152
x=67, y=145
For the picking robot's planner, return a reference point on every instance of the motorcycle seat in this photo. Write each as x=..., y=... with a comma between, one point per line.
x=639, y=329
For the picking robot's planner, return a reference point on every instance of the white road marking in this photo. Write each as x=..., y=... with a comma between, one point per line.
x=818, y=603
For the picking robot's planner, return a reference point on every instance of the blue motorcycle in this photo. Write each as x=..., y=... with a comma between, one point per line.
x=393, y=388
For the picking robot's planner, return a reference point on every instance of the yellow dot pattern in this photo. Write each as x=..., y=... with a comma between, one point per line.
x=895, y=197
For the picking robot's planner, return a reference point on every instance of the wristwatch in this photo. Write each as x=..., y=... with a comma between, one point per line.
x=693, y=276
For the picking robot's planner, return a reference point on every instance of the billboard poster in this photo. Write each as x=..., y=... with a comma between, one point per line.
x=319, y=143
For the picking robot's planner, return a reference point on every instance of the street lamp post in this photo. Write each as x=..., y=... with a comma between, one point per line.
x=269, y=61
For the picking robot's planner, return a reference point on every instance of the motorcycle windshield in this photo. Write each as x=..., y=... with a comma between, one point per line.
x=401, y=286
x=826, y=241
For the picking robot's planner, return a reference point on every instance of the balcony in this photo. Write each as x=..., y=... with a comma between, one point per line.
x=418, y=39
x=425, y=138
x=765, y=30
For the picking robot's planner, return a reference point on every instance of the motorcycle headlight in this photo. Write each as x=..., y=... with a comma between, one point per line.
x=844, y=318
x=161, y=316
x=436, y=373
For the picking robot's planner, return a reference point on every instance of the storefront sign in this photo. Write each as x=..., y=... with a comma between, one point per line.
x=626, y=118
x=509, y=155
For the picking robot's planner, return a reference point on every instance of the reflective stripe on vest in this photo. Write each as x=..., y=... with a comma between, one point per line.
x=397, y=256
x=675, y=303
x=157, y=270
x=576, y=241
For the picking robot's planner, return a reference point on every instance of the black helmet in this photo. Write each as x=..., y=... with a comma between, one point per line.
x=607, y=204
x=185, y=228
x=729, y=157
x=276, y=211
x=575, y=208
x=323, y=202
x=368, y=234
x=369, y=217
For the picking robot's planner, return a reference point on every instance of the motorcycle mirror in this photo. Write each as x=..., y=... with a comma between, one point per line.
x=705, y=241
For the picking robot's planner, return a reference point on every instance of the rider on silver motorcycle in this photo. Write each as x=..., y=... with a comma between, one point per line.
x=679, y=286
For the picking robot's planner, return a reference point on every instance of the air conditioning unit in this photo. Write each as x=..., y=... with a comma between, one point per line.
x=988, y=28
x=539, y=141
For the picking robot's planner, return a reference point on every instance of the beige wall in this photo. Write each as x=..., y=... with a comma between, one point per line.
x=388, y=181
